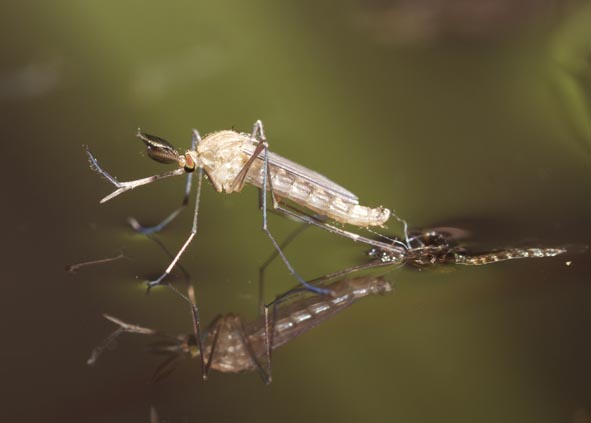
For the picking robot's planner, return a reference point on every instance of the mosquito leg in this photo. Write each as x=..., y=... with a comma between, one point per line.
x=267, y=180
x=288, y=240
x=397, y=253
x=146, y=230
x=189, y=299
x=396, y=249
x=258, y=133
x=184, y=271
x=159, y=281
x=128, y=185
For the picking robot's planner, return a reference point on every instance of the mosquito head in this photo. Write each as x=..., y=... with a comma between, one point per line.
x=189, y=161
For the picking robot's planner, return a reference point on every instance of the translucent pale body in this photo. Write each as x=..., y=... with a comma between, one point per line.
x=222, y=155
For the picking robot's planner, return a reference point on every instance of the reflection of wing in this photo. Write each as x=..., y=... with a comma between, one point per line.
x=300, y=171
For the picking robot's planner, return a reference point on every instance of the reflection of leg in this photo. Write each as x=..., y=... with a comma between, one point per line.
x=258, y=134
x=123, y=328
x=190, y=299
x=165, y=368
x=270, y=316
x=272, y=257
x=214, y=328
x=158, y=281
x=264, y=373
x=267, y=180
x=156, y=228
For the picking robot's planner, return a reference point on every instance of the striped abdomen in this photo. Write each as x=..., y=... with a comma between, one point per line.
x=341, y=208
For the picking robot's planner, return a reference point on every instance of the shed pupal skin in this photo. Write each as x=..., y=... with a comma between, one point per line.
x=222, y=155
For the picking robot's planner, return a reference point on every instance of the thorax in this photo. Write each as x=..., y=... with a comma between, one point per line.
x=221, y=156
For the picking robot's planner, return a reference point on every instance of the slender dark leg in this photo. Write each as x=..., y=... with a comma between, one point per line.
x=270, y=314
x=272, y=257
x=396, y=250
x=196, y=325
x=184, y=271
x=258, y=130
x=269, y=337
x=159, y=281
x=214, y=328
x=196, y=139
x=265, y=373
x=165, y=368
x=189, y=299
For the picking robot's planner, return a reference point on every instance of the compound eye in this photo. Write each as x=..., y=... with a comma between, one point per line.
x=159, y=149
x=190, y=164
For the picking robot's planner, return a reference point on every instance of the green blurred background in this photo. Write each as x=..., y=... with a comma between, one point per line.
x=466, y=114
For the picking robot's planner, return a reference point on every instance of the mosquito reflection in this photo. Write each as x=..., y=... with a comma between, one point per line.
x=231, y=345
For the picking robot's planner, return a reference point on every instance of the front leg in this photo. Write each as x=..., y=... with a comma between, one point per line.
x=258, y=134
x=258, y=128
x=147, y=230
x=192, y=234
x=129, y=185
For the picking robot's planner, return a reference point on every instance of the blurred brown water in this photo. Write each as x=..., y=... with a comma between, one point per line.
x=491, y=134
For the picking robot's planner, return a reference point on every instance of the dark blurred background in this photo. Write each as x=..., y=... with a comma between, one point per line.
x=474, y=114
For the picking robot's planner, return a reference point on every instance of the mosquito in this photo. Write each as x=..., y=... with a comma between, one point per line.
x=230, y=160
x=231, y=345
